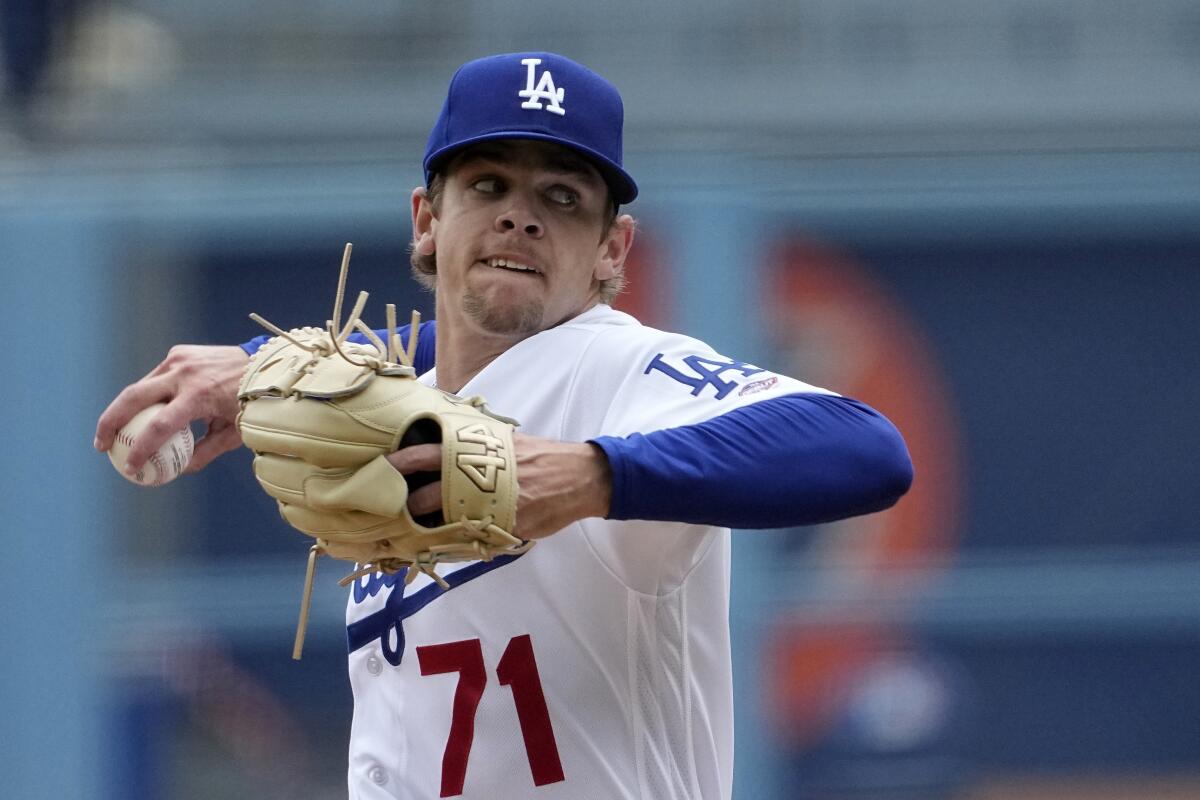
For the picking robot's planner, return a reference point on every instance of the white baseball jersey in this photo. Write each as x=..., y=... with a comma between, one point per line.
x=597, y=664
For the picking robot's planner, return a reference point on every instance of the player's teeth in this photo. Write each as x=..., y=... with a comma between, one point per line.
x=504, y=262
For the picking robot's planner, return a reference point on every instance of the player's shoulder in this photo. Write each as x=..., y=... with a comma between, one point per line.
x=615, y=348
x=616, y=336
x=666, y=362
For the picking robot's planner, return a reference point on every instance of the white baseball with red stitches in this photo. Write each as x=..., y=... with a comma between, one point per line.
x=165, y=464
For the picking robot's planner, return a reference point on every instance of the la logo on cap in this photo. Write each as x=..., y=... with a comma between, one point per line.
x=543, y=90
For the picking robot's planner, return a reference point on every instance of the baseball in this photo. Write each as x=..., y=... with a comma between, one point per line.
x=165, y=464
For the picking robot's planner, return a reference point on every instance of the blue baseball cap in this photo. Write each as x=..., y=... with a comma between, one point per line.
x=541, y=96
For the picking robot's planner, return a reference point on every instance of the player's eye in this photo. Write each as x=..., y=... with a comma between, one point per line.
x=563, y=196
x=488, y=185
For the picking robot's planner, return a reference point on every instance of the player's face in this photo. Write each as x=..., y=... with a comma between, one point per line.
x=521, y=237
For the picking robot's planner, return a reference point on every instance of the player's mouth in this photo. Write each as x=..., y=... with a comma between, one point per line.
x=511, y=265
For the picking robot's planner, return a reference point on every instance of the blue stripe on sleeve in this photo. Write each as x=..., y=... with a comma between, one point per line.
x=426, y=336
x=799, y=459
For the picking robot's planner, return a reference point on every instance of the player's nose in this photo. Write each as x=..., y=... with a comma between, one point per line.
x=519, y=217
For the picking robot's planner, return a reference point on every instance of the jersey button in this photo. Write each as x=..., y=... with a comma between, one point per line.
x=377, y=775
x=374, y=665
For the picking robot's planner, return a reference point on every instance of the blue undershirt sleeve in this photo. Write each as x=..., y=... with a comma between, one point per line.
x=251, y=347
x=799, y=459
x=426, y=336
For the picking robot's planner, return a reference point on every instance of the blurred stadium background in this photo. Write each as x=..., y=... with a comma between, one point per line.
x=984, y=218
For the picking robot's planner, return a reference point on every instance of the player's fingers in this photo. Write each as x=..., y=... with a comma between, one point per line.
x=218, y=441
x=126, y=405
x=175, y=416
x=417, y=458
x=426, y=500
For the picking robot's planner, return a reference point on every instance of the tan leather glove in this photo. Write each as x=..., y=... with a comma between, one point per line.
x=321, y=414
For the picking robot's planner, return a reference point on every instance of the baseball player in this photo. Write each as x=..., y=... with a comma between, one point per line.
x=596, y=664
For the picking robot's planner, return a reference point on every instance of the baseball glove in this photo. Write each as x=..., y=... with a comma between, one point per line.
x=321, y=415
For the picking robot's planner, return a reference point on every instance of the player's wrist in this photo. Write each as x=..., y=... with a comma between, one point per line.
x=599, y=485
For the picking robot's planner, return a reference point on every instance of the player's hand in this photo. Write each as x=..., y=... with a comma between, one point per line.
x=559, y=482
x=199, y=383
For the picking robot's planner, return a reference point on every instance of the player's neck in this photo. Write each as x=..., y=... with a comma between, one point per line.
x=462, y=350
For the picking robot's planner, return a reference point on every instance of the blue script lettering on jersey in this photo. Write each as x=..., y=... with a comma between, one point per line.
x=398, y=608
x=374, y=582
x=705, y=372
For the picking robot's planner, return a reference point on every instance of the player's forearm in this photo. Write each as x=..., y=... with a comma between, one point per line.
x=794, y=460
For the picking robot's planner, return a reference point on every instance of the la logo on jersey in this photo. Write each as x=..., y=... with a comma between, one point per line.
x=541, y=89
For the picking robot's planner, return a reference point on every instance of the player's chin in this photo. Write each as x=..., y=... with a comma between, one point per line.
x=504, y=313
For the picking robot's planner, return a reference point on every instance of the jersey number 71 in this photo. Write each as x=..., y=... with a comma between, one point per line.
x=518, y=670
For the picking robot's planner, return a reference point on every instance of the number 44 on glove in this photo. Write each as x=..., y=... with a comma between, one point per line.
x=321, y=415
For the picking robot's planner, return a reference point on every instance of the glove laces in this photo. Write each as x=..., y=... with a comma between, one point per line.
x=394, y=357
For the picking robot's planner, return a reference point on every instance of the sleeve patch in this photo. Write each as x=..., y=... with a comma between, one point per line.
x=700, y=373
x=755, y=387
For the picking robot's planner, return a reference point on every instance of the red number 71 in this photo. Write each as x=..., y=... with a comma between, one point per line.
x=517, y=669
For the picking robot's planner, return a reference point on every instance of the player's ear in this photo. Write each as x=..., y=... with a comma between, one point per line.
x=422, y=222
x=614, y=247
